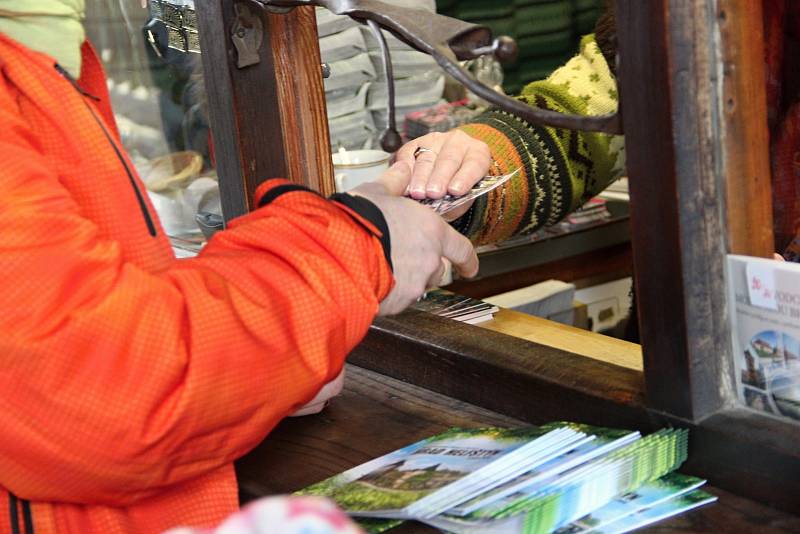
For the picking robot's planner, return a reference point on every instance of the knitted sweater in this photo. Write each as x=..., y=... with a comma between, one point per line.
x=559, y=169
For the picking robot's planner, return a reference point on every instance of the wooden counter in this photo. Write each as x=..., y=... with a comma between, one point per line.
x=376, y=414
x=569, y=338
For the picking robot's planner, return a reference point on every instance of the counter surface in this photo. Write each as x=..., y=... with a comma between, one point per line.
x=376, y=414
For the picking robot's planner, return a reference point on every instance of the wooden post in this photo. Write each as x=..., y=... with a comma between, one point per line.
x=670, y=104
x=268, y=120
x=301, y=96
x=745, y=148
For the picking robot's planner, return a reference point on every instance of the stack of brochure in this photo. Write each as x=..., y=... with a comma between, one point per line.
x=561, y=477
x=456, y=307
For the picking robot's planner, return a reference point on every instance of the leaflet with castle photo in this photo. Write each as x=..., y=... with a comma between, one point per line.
x=765, y=317
x=390, y=486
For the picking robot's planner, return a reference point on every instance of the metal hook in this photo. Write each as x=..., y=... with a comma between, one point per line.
x=448, y=41
x=390, y=139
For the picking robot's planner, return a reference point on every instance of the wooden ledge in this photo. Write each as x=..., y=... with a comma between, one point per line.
x=598, y=347
x=748, y=454
x=506, y=374
x=734, y=449
x=376, y=414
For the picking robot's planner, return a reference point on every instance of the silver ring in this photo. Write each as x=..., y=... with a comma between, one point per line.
x=422, y=150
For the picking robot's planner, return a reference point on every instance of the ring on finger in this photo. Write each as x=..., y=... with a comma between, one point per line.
x=422, y=150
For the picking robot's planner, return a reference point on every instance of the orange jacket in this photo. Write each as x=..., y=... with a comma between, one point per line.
x=131, y=380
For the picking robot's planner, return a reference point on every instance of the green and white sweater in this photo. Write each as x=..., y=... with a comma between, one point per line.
x=560, y=169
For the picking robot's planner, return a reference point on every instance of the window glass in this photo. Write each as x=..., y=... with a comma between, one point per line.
x=155, y=80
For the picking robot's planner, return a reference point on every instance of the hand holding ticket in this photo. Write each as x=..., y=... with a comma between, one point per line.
x=483, y=186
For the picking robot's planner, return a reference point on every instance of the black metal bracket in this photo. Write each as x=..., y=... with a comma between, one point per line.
x=449, y=41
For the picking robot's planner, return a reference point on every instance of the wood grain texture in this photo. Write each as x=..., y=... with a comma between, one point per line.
x=750, y=455
x=536, y=383
x=745, y=160
x=376, y=415
x=552, y=334
x=731, y=514
x=268, y=120
x=503, y=373
x=301, y=96
x=673, y=156
x=650, y=159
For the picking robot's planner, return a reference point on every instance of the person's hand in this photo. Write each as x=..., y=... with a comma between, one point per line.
x=452, y=163
x=322, y=398
x=422, y=243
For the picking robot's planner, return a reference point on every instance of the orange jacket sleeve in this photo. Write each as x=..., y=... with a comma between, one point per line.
x=118, y=382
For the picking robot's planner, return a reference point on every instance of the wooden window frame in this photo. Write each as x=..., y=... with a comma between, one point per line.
x=694, y=113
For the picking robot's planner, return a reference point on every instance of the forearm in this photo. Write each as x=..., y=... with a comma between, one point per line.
x=559, y=169
x=137, y=380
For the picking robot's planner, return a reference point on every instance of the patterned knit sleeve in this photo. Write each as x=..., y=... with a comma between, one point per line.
x=559, y=169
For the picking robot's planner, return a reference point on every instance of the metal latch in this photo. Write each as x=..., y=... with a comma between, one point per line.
x=247, y=35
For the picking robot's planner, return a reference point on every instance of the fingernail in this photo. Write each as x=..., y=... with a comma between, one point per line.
x=457, y=187
x=434, y=188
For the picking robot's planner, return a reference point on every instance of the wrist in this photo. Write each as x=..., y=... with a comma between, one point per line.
x=364, y=212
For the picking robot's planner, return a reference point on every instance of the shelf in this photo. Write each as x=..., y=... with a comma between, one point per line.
x=588, y=255
x=557, y=246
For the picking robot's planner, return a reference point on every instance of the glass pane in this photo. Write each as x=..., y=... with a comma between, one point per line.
x=549, y=35
x=152, y=61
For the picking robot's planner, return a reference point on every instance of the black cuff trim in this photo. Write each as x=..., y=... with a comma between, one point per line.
x=373, y=214
x=275, y=192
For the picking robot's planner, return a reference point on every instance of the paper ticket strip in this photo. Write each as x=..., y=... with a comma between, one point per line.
x=485, y=185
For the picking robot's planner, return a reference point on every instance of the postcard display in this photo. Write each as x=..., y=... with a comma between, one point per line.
x=562, y=477
x=765, y=315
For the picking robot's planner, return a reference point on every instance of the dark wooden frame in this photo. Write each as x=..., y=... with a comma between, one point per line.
x=693, y=165
x=693, y=107
x=268, y=120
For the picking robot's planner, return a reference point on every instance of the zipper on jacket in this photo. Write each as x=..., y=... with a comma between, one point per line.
x=27, y=516
x=151, y=227
x=13, y=513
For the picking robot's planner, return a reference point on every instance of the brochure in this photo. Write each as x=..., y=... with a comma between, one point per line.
x=765, y=326
x=666, y=509
x=456, y=307
x=562, y=477
x=387, y=486
x=607, y=440
x=553, y=503
x=646, y=496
